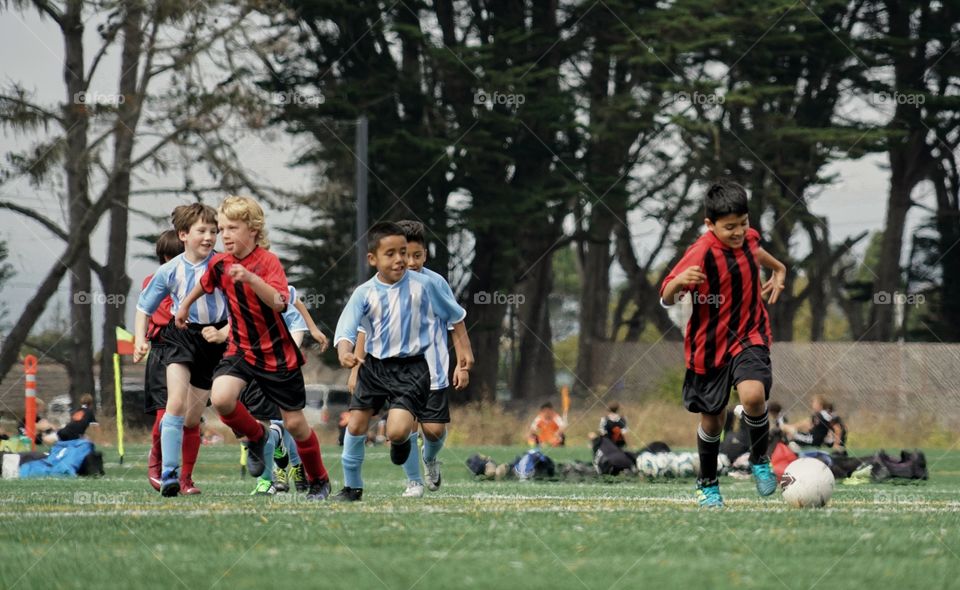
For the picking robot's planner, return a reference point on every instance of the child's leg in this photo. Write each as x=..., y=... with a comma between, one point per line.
x=171, y=429
x=411, y=467
x=307, y=445
x=273, y=439
x=197, y=401
x=224, y=395
x=755, y=418
x=708, y=445
x=291, y=446
x=155, y=452
x=354, y=447
x=401, y=424
x=434, y=435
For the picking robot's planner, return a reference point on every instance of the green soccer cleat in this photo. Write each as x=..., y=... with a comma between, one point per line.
x=299, y=476
x=764, y=477
x=280, y=480
x=264, y=488
x=709, y=496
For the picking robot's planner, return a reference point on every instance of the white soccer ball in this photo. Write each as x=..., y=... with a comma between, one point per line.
x=648, y=465
x=807, y=483
x=665, y=464
x=684, y=465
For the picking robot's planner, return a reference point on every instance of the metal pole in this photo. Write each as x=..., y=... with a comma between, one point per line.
x=360, y=186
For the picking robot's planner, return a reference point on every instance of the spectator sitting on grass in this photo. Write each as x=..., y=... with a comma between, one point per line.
x=823, y=428
x=80, y=420
x=547, y=428
x=613, y=425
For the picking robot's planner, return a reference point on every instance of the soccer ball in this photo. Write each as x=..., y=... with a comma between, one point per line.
x=807, y=483
x=648, y=465
x=665, y=464
x=683, y=465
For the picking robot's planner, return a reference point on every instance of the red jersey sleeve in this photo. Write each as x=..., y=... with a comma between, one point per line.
x=753, y=239
x=692, y=257
x=214, y=275
x=272, y=274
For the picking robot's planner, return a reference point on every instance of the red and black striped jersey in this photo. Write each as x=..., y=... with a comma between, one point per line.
x=728, y=313
x=257, y=332
x=161, y=317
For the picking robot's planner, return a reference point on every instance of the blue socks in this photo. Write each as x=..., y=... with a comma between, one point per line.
x=291, y=446
x=273, y=439
x=412, y=465
x=431, y=448
x=354, y=448
x=171, y=440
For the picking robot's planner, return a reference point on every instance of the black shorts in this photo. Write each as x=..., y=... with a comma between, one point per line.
x=284, y=388
x=188, y=347
x=403, y=382
x=155, y=378
x=709, y=394
x=437, y=408
x=258, y=404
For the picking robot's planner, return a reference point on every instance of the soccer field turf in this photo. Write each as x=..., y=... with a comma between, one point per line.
x=116, y=532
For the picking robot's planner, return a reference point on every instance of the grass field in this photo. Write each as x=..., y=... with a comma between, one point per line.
x=116, y=532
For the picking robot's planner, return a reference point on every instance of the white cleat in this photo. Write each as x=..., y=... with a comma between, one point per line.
x=414, y=490
x=433, y=475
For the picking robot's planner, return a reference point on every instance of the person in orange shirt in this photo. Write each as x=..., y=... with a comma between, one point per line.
x=547, y=428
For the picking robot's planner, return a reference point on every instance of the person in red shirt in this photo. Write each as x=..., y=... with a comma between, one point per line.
x=547, y=428
x=155, y=373
x=260, y=347
x=728, y=336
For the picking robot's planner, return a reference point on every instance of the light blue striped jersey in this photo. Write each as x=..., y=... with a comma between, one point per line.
x=398, y=318
x=292, y=316
x=176, y=278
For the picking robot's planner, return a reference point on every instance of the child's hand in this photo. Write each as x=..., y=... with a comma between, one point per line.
x=461, y=378
x=239, y=273
x=774, y=286
x=140, y=350
x=352, y=382
x=321, y=339
x=348, y=360
x=692, y=276
x=213, y=335
x=180, y=320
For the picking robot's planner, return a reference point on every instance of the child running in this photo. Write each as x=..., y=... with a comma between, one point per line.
x=728, y=337
x=397, y=310
x=260, y=347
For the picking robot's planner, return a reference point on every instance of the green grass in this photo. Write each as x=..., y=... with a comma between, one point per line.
x=116, y=532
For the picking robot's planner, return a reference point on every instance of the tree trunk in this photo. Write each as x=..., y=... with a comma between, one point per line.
x=76, y=120
x=534, y=376
x=948, y=226
x=484, y=320
x=888, y=273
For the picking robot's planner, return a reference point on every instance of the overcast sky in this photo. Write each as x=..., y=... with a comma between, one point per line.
x=32, y=51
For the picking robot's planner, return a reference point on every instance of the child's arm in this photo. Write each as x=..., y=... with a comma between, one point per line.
x=690, y=277
x=461, y=344
x=215, y=336
x=319, y=336
x=141, y=346
x=360, y=349
x=777, y=281
x=348, y=327
x=264, y=291
x=184, y=312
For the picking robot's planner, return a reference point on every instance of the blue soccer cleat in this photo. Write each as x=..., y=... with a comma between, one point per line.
x=765, y=478
x=169, y=483
x=709, y=496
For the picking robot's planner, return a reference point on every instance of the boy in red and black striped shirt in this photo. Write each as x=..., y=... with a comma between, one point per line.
x=260, y=347
x=728, y=336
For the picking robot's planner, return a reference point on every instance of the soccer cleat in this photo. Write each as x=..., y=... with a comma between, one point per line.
x=299, y=476
x=169, y=483
x=319, y=490
x=280, y=480
x=348, y=495
x=414, y=490
x=264, y=488
x=255, y=464
x=433, y=475
x=400, y=451
x=765, y=478
x=187, y=487
x=709, y=496
x=153, y=470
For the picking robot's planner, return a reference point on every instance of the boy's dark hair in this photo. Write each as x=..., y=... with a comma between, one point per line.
x=184, y=216
x=86, y=400
x=725, y=197
x=614, y=407
x=546, y=405
x=774, y=407
x=413, y=230
x=380, y=230
x=168, y=245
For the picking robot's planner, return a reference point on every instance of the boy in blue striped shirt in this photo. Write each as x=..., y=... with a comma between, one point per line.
x=397, y=311
x=193, y=352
